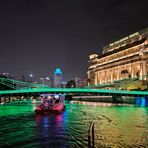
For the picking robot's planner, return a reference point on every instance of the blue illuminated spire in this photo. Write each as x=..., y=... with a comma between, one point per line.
x=58, y=71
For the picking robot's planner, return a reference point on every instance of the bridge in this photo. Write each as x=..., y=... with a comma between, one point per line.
x=30, y=89
x=74, y=91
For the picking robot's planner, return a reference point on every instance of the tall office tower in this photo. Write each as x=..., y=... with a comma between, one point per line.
x=58, y=78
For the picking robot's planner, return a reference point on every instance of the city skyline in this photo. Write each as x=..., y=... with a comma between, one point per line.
x=39, y=36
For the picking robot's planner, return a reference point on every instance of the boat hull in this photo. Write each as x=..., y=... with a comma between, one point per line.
x=49, y=111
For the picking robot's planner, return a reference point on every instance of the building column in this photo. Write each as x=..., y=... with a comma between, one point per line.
x=101, y=78
x=144, y=70
x=107, y=76
x=132, y=71
x=96, y=78
x=117, y=73
x=111, y=75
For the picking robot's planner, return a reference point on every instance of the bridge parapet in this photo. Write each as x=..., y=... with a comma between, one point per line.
x=74, y=90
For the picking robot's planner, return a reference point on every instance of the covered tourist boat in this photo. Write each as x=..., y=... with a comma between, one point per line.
x=51, y=104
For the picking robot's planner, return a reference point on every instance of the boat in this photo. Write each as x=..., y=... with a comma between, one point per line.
x=51, y=104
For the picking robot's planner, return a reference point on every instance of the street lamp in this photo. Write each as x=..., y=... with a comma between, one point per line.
x=31, y=76
x=42, y=80
x=47, y=78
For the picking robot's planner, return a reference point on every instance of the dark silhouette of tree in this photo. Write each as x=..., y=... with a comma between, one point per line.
x=71, y=84
x=23, y=78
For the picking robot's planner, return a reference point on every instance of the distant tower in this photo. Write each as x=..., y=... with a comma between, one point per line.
x=58, y=78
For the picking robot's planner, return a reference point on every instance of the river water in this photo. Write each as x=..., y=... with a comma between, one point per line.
x=115, y=126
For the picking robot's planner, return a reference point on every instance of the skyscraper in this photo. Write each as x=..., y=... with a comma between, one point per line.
x=58, y=78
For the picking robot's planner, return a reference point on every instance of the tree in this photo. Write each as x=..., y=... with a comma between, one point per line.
x=71, y=84
x=23, y=78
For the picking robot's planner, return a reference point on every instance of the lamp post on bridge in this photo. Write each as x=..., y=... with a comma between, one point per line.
x=31, y=78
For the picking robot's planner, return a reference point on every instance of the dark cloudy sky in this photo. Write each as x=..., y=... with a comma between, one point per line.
x=36, y=36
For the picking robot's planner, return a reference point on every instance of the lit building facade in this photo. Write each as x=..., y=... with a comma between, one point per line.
x=126, y=58
x=8, y=75
x=80, y=82
x=46, y=81
x=58, y=78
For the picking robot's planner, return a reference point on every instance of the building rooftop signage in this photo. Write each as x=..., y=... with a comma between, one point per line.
x=124, y=39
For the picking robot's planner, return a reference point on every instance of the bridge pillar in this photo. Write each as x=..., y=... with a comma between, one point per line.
x=117, y=99
x=4, y=99
x=144, y=101
x=141, y=101
x=9, y=99
x=138, y=101
x=68, y=97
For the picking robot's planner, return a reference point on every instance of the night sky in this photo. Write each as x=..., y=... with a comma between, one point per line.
x=36, y=36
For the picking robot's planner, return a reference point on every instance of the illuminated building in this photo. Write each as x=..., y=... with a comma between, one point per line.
x=8, y=75
x=58, y=78
x=80, y=82
x=46, y=81
x=63, y=84
x=123, y=59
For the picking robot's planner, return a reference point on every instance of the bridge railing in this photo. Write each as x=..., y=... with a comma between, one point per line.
x=16, y=84
x=91, y=136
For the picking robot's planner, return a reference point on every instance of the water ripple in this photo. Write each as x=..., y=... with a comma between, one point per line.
x=115, y=126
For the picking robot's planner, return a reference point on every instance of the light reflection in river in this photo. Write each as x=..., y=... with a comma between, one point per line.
x=115, y=126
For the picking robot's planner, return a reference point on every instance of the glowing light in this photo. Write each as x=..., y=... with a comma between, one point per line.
x=31, y=75
x=59, y=118
x=58, y=71
x=143, y=101
x=34, y=101
x=73, y=90
x=138, y=66
x=56, y=96
x=49, y=97
x=138, y=100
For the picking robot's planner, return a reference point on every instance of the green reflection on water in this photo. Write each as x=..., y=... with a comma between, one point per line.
x=115, y=126
x=16, y=108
